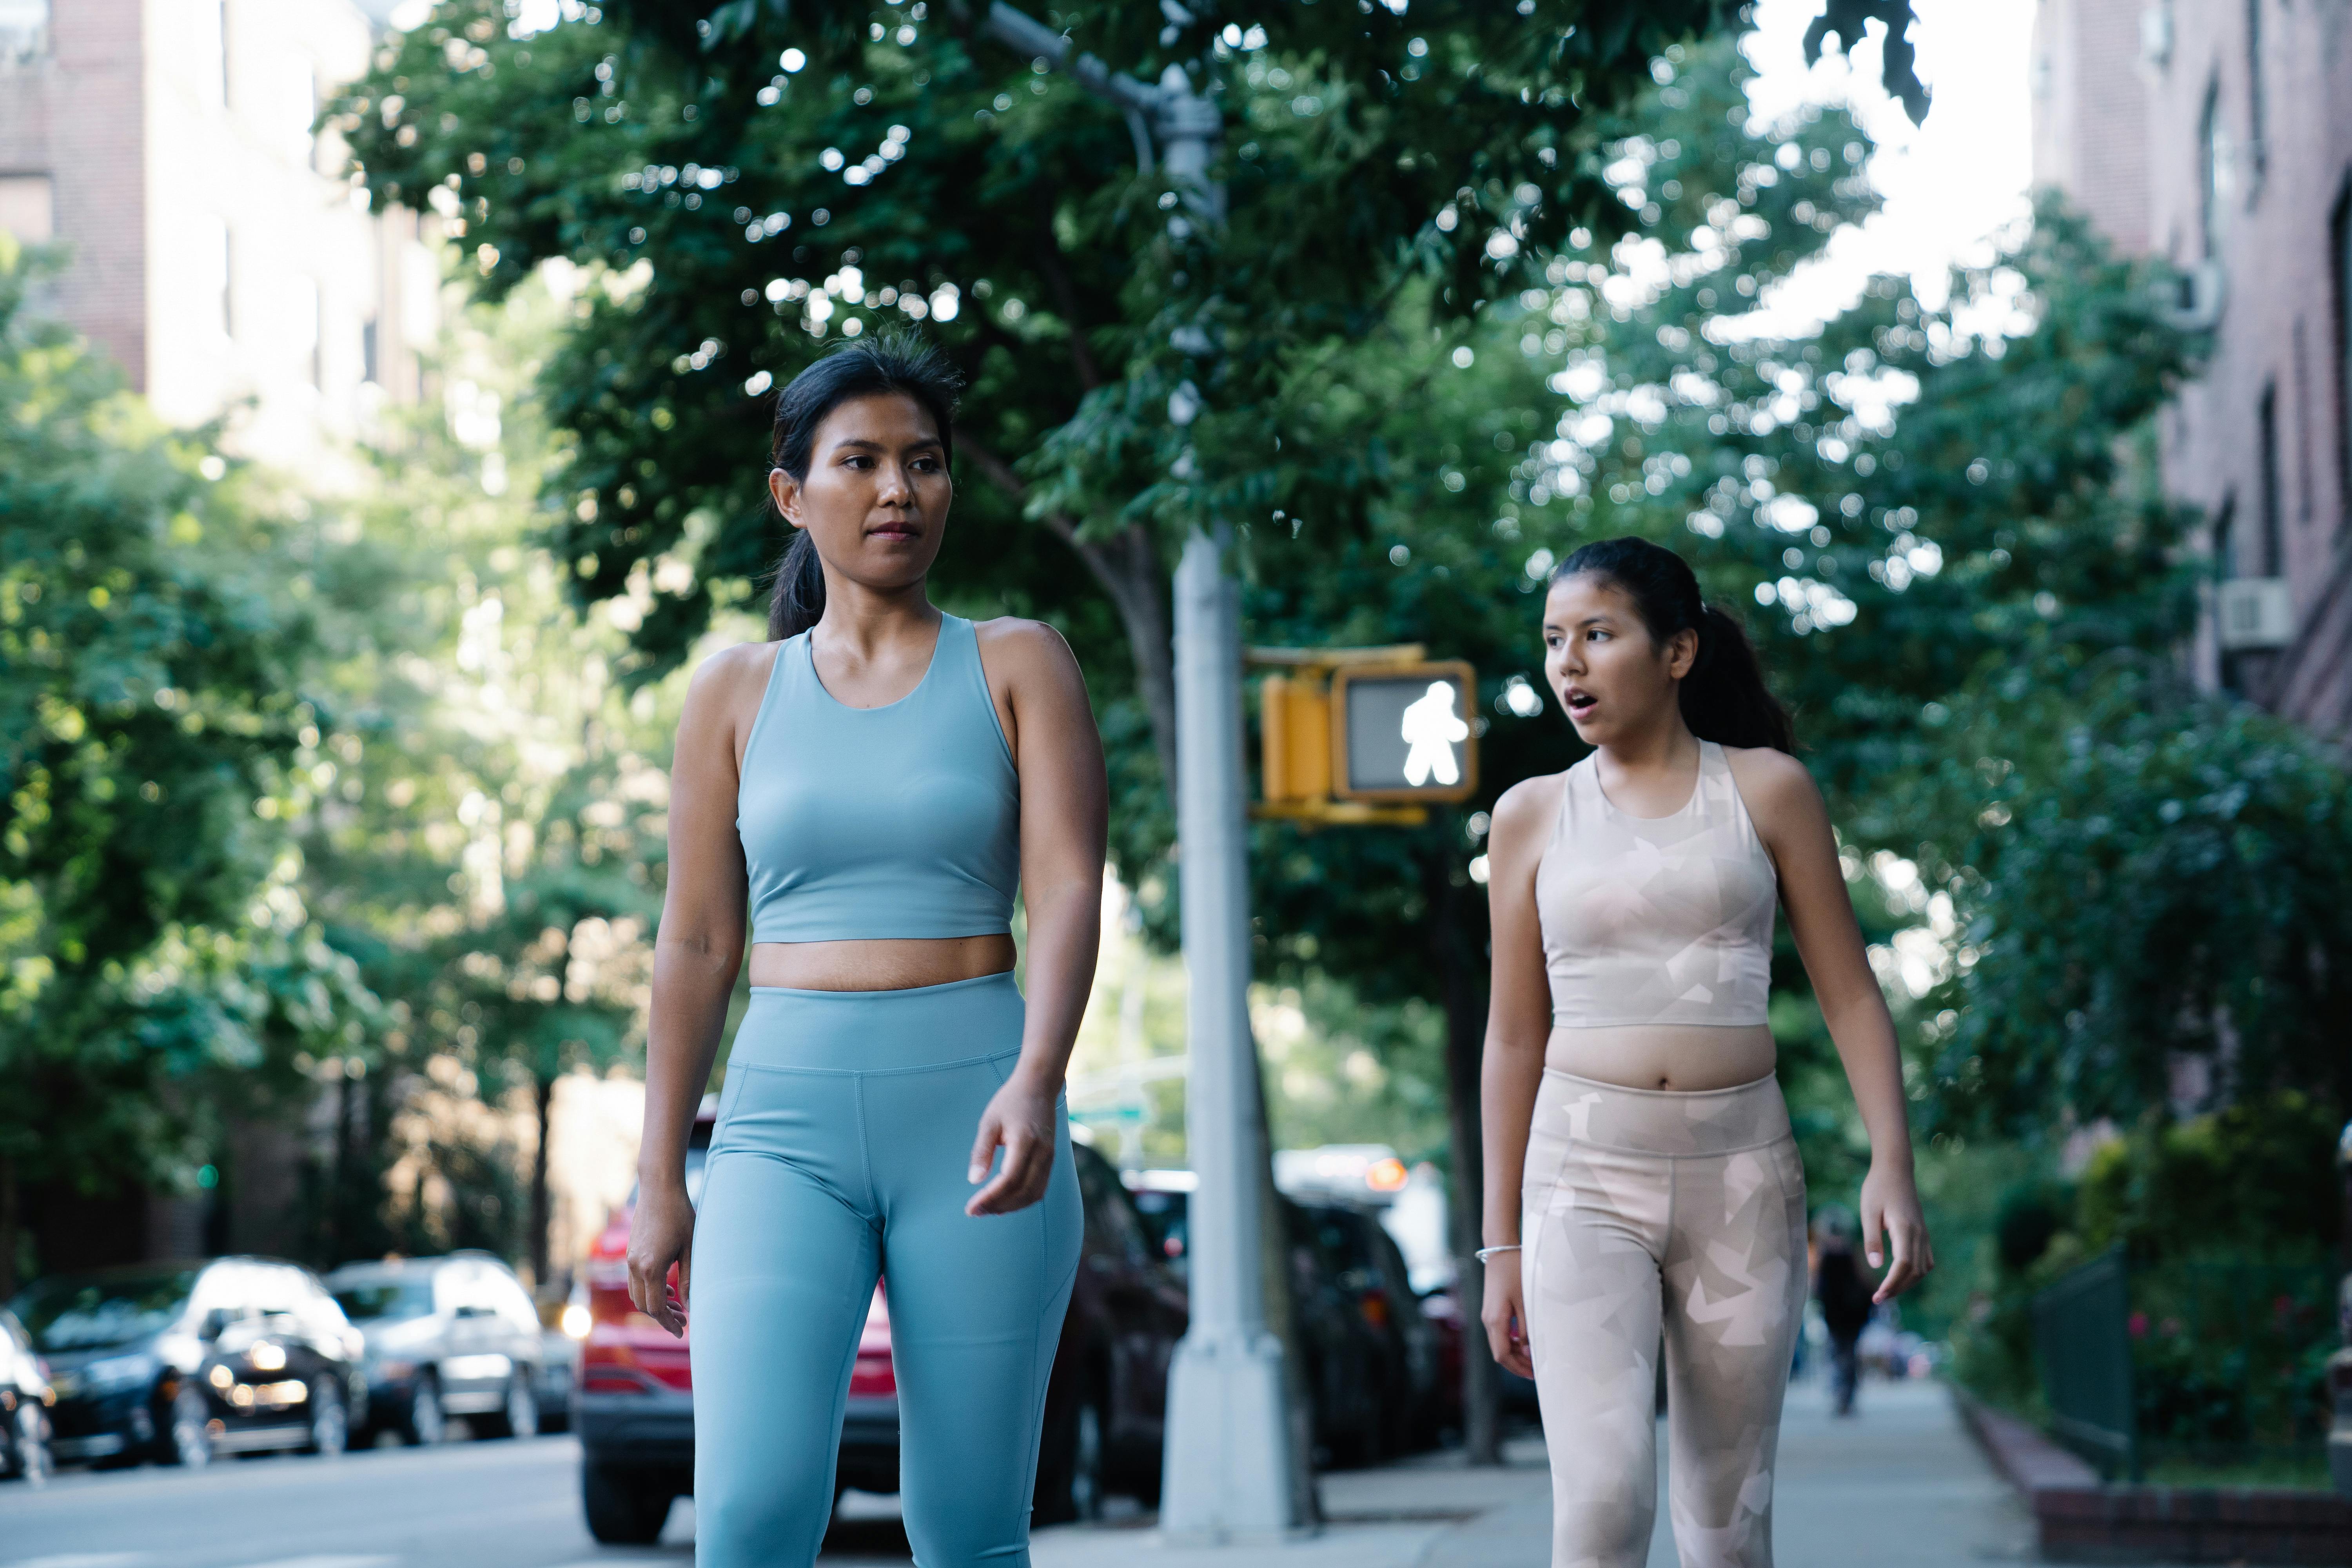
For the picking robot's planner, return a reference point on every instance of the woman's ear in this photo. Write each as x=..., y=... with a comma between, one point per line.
x=1682, y=653
x=786, y=492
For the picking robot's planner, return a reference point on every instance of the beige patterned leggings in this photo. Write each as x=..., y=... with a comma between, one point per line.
x=1652, y=1215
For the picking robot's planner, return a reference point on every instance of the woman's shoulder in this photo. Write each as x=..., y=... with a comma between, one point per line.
x=1529, y=804
x=736, y=663
x=1770, y=782
x=1017, y=646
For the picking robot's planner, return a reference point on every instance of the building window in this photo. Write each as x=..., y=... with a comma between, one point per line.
x=2274, y=549
x=2257, y=108
x=24, y=31
x=216, y=254
x=27, y=207
x=2225, y=567
x=368, y=366
x=2214, y=152
x=303, y=316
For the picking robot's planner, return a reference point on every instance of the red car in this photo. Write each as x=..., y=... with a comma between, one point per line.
x=1104, y=1403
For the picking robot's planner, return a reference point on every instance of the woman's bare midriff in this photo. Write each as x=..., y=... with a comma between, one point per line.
x=1686, y=1058
x=895, y=964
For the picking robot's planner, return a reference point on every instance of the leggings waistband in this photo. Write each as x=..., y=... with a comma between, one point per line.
x=915, y=1030
x=1687, y=1123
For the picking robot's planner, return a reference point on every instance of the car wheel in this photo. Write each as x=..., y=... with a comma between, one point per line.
x=424, y=1423
x=625, y=1507
x=519, y=1416
x=331, y=1422
x=1071, y=1460
x=192, y=1430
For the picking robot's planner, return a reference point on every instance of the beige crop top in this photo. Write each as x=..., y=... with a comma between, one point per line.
x=1656, y=919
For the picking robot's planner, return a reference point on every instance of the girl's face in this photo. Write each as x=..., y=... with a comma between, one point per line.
x=1611, y=679
x=875, y=499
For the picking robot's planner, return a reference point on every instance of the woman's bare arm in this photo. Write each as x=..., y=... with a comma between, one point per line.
x=698, y=949
x=1786, y=807
x=1519, y=1026
x=1064, y=825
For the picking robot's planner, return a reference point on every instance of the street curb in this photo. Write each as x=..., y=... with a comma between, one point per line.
x=2076, y=1518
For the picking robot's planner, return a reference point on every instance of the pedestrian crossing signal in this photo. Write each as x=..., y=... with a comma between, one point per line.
x=1365, y=735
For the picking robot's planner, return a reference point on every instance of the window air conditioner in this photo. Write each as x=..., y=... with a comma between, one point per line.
x=2193, y=300
x=2254, y=611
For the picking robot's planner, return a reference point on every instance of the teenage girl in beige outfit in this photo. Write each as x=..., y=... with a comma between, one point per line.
x=1641, y=1181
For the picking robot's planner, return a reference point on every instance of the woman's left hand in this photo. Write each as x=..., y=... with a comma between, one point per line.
x=1890, y=1202
x=1020, y=1119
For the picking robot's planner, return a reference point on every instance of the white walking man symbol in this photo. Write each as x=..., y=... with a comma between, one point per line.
x=1431, y=728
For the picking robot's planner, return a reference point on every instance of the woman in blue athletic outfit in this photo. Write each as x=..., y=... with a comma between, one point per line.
x=872, y=783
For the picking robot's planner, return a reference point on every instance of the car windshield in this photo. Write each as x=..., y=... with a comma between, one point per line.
x=386, y=1299
x=88, y=1312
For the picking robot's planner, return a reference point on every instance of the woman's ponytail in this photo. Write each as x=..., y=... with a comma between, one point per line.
x=797, y=601
x=1723, y=697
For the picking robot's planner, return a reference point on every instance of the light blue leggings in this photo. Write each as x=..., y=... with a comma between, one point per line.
x=845, y=1131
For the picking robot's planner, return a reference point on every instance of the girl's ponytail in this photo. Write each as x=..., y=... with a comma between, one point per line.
x=1723, y=697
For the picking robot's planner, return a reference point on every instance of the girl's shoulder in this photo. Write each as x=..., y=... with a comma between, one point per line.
x=1772, y=784
x=1529, y=805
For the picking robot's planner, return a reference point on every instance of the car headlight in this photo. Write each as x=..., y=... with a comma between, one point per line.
x=118, y=1372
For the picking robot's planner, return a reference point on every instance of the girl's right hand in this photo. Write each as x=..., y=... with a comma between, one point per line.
x=1506, y=1315
x=661, y=1232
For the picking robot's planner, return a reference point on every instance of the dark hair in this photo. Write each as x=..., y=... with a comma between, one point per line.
x=893, y=363
x=1723, y=697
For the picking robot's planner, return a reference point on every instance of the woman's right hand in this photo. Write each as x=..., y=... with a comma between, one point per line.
x=661, y=1232
x=1506, y=1315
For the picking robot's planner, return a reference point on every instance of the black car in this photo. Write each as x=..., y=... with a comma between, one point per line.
x=179, y=1361
x=445, y=1336
x=24, y=1404
x=1371, y=1273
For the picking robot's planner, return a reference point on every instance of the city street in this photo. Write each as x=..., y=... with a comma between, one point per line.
x=1900, y=1488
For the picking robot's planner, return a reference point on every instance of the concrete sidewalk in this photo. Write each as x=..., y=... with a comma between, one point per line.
x=1900, y=1485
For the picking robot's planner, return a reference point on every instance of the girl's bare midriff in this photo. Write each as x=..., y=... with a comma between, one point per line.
x=1685, y=1057
x=896, y=964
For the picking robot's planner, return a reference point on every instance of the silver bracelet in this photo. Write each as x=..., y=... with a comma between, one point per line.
x=1484, y=1253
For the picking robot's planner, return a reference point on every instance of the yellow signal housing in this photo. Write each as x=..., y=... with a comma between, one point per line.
x=1295, y=736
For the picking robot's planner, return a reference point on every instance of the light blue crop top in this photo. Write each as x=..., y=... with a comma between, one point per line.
x=864, y=823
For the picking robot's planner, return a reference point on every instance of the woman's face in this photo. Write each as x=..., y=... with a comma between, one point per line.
x=876, y=498
x=1612, y=680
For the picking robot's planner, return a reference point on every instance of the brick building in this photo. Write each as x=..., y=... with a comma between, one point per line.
x=2217, y=134
x=213, y=252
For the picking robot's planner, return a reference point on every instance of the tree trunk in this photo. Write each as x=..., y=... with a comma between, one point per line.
x=8, y=1227
x=544, y=1095
x=1466, y=1029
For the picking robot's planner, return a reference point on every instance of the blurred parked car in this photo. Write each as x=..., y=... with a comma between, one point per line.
x=24, y=1404
x=447, y=1336
x=178, y=1361
x=1416, y=1405
x=1105, y=1400
x=1384, y=1365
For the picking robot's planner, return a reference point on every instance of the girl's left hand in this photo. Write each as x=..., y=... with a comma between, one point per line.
x=1890, y=1202
x=1019, y=1118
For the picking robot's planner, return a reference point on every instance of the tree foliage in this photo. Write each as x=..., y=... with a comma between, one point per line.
x=158, y=616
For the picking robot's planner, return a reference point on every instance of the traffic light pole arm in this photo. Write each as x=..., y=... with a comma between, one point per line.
x=1141, y=102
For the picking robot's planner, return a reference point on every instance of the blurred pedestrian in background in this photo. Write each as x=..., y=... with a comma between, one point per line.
x=1845, y=1295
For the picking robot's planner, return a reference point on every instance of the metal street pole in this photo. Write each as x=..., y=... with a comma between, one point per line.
x=1228, y=1452
x=1233, y=1472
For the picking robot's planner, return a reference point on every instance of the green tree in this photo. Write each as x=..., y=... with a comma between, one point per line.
x=158, y=630
x=491, y=851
